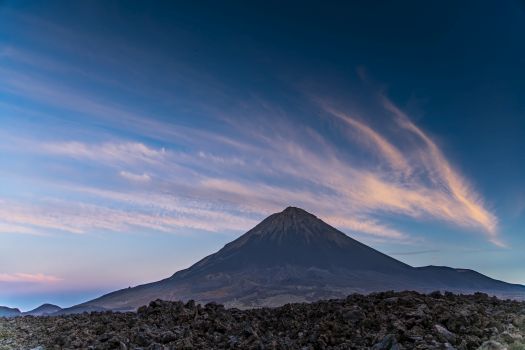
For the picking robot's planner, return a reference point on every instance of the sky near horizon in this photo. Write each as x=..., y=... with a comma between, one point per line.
x=138, y=137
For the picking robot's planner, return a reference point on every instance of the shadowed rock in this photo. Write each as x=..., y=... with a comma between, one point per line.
x=379, y=321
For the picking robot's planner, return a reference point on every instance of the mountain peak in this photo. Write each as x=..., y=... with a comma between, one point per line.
x=294, y=237
x=295, y=211
x=292, y=225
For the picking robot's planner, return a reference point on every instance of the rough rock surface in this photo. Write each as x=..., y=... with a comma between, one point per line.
x=388, y=320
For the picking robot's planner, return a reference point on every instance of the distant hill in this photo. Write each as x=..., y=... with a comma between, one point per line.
x=294, y=256
x=43, y=310
x=9, y=312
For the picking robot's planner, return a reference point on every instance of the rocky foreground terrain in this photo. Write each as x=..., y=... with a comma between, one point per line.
x=389, y=320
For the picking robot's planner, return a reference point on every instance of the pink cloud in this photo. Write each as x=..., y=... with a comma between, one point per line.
x=28, y=277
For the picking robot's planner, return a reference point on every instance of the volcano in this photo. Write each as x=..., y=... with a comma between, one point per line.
x=295, y=238
x=293, y=256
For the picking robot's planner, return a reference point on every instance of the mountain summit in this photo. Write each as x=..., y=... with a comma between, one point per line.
x=295, y=256
x=295, y=238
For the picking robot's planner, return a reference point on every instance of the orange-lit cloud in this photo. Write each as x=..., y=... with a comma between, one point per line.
x=365, y=225
x=375, y=140
x=468, y=203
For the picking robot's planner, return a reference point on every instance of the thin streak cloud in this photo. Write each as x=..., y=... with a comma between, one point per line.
x=18, y=229
x=445, y=175
x=135, y=177
x=28, y=278
x=130, y=152
x=374, y=139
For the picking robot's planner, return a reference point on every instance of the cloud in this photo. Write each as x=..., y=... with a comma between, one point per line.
x=373, y=139
x=135, y=177
x=367, y=226
x=17, y=229
x=169, y=214
x=448, y=180
x=246, y=170
x=28, y=277
x=264, y=172
x=429, y=188
x=125, y=152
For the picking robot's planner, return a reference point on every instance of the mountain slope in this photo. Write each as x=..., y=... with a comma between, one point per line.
x=43, y=310
x=9, y=312
x=294, y=256
x=294, y=237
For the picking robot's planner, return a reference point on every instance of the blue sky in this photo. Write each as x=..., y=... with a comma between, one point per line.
x=136, y=138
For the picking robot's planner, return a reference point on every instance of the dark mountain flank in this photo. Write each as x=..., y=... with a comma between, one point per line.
x=297, y=238
x=294, y=256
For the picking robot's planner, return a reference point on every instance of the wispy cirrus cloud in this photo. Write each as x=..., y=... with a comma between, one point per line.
x=135, y=177
x=373, y=139
x=354, y=198
x=83, y=217
x=448, y=180
x=125, y=152
x=18, y=229
x=242, y=170
x=366, y=225
x=430, y=186
x=28, y=278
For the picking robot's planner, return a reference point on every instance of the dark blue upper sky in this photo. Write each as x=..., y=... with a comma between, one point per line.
x=137, y=137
